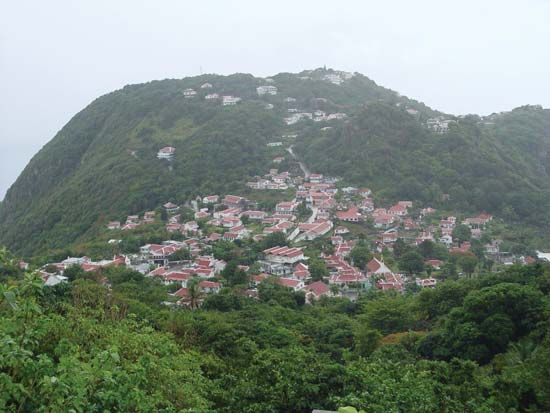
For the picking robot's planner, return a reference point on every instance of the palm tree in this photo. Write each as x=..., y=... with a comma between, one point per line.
x=194, y=293
x=519, y=353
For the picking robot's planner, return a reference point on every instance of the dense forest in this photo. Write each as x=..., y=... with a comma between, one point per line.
x=102, y=165
x=103, y=342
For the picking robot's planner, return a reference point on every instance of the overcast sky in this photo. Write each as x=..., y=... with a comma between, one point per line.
x=456, y=56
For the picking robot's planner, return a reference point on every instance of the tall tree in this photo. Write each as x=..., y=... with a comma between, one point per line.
x=412, y=263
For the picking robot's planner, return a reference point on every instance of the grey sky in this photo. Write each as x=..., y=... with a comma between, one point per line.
x=460, y=57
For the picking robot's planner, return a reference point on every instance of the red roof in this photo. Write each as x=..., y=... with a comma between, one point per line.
x=434, y=263
x=284, y=251
x=177, y=276
x=373, y=265
x=168, y=150
x=288, y=282
x=209, y=284
x=352, y=213
x=182, y=292
x=233, y=199
x=318, y=288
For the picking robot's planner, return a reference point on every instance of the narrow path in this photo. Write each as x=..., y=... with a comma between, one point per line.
x=295, y=234
x=303, y=167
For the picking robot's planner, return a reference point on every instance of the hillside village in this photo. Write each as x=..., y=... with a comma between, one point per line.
x=321, y=210
x=332, y=239
x=206, y=91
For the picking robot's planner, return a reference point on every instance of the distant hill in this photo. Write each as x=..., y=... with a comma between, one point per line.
x=102, y=165
x=499, y=164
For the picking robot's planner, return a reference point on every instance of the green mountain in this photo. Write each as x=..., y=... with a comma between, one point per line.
x=102, y=165
x=499, y=164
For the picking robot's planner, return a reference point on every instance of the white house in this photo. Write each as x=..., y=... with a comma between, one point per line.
x=171, y=208
x=447, y=240
x=230, y=100
x=333, y=78
x=189, y=93
x=266, y=90
x=166, y=153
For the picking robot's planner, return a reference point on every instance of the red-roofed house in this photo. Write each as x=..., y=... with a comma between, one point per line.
x=351, y=215
x=301, y=271
x=233, y=201
x=210, y=287
x=201, y=215
x=376, y=266
x=315, y=178
x=211, y=199
x=167, y=153
x=465, y=247
x=398, y=210
x=171, y=208
x=313, y=230
x=286, y=207
x=158, y=254
x=383, y=220
x=296, y=285
x=316, y=290
x=435, y=264
x=284, y=255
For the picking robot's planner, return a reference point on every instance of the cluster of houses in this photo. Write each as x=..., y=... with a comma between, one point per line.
x=289, y=265
x=285, y=265
x=208, y=95
x=205, y=91
x=316, y=116
x=234, y=217
x=266, y=90
x=53, y=273
x=274, y=179
x=338, y=77
x=332, y=211
x=133, y=221
x=439, y=124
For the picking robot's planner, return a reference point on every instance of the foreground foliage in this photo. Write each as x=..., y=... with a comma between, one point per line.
x=477, y=345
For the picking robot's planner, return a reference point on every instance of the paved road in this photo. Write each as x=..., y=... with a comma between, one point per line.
x=302, y=166
x=313, y=216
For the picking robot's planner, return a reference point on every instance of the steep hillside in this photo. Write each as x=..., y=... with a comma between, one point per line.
x=102, y=164
x=499, y=164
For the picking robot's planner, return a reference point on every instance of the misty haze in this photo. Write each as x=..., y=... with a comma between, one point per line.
x=302, y=207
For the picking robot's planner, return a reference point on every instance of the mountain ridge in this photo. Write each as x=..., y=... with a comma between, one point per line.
x=103, y=162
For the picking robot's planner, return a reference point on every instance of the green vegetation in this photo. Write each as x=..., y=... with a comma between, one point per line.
x=473, y=345
x=102, y=165
x=500, y=168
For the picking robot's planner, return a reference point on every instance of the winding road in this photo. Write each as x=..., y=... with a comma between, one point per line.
x=302, y=165
x=314, y=210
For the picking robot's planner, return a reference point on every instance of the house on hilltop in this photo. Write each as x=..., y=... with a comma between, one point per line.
x=189, y=93
x=266, y=90
x=230, y=100
x=171, y=208
x=167, y=153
